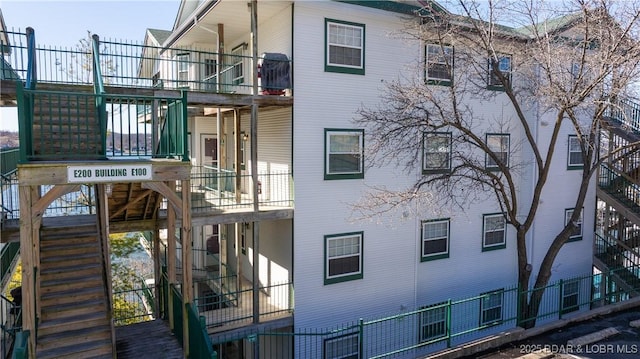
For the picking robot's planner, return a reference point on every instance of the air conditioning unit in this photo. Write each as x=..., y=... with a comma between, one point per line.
x=273, y=73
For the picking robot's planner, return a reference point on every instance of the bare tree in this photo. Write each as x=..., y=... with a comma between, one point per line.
x=76, y=64
x=574, y=58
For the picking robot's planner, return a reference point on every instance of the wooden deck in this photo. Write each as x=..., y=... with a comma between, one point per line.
x=147, y=340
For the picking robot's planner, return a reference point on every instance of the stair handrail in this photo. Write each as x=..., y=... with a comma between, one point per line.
x=32, y=74
x=98, y=86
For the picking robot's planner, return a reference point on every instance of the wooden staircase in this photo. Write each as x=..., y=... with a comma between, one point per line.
x=66, y=126
x=75, y=314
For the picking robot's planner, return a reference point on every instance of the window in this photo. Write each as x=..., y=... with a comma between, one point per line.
x=344, y=50
x=437, y=152
x=438, y=64
x=575, y=160
x=435, y=239
x=491, y=307
x=576, y=235
x=237, y=58
x=344, y=347
x=433, y=322
x=570, y=294
x=343, y=154
x=183, y=69
x=343, y=257
x=498, y=144
x=504, y=67
x=494, y=232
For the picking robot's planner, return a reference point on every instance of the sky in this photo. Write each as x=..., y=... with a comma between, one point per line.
x=64, y=23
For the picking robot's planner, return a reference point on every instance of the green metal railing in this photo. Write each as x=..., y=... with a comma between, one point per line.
x=213, y=188
x=133, y=306
x=199, y=342
x=21, y=349
x=134, y=64
x=626, y=112
x=8, y=257
x=10, y=324
x=219, y=276
x=73, y=120
x=9, y=158
x=619, y=186
x=440, y=325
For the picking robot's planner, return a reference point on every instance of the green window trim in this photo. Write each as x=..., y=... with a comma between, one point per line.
x=494, y=246
x=570, y=296
x=446, y=167
x=505, y=151
x=343, y=260
x=505, y=64
x=572, y=141
x=442, y=63
x=357, y=157
x=491, y=309
x=436, y=236
x=357, y=69
x=567, y=215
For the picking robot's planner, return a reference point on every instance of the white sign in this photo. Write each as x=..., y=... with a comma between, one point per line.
x=110, y=173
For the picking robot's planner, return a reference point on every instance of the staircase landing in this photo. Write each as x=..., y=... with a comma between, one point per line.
x=153, y=339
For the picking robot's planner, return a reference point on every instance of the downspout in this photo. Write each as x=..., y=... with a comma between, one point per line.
x=254, y=168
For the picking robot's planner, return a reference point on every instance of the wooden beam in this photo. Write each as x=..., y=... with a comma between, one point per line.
x=131, y=202
x=171, y=196
x=58, y=190
x=187, y=260
x=28, y=270
x=171, y=254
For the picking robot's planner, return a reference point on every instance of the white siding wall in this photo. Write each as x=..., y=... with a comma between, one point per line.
x=394, y=278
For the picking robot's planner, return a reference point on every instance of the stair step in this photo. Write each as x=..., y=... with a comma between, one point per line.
x=57, y=261
x=66, y=324
x=66, y=297
x=72, y=310
x=75, y=337
x=69, y=273
x=92, y=349
x=69, y=251
x=70, y=284
x=68, y=239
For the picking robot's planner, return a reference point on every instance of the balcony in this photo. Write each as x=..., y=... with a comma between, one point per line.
x=215, y=189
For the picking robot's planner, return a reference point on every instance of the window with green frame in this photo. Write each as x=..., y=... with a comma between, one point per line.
x=570, y=296
x=503, y=63
x=344, y=47
x=575, y=159
x=491, y=307
x=436, y=156
x=494, y=232
x=343, y=257
x=576, y=235
x=432, y=322
x=498, y=144
x=438, y=64
x=435, y=239
x=343, y=347
x=344, y=154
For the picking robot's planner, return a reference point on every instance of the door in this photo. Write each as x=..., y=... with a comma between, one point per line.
x=209, y=150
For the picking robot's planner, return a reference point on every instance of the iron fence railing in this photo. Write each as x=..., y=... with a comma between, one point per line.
x=9, y=255
x=620, y=186
x=625, y=111
x=439, y=325
x=134, y=306
x=134, y=64
x=71, y=126
x=10, y=324
x=213, y=188
x=9, y=158
x=222, y=309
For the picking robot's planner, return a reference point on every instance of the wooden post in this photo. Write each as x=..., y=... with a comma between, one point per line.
x=187, y=259
x=28, y=266
x=157, y=271
x=171, y=252
x=103, y=225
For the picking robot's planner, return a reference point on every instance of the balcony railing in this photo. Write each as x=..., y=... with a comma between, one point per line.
x=620, y=186
x=134, y=64
x=214, y=188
